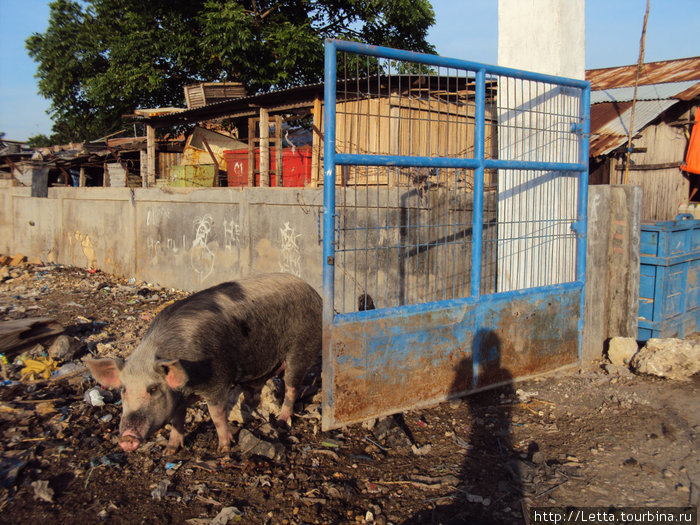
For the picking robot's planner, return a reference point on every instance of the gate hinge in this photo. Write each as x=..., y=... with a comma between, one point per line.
x=578, y=227
x=577, y=128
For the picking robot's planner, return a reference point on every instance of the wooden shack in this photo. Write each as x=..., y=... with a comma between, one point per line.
x=668, y=94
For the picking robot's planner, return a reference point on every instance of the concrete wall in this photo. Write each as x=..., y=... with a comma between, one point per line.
x=182, y=238
x=612, y=266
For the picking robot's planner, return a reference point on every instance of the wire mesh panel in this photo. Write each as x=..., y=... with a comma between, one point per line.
x=404, y=234
x=452, y=189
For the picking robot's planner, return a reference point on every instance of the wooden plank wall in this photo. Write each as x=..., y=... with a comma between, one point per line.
x=401, y=126
x=663, y=189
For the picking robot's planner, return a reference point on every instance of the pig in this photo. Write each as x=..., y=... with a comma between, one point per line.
x=235, y=333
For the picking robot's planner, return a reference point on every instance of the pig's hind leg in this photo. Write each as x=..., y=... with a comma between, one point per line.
x=294, y=373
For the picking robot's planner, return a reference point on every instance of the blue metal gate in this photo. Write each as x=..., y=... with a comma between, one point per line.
x=454, y=227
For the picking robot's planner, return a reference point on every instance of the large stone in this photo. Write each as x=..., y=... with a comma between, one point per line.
x=621, y=350
x=670, y=358
x=65, y=348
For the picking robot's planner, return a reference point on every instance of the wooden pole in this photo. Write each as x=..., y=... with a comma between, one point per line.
x=251, y=151
x=151, y=156
x=264, y=148
x=278, y=149
x=640, y=63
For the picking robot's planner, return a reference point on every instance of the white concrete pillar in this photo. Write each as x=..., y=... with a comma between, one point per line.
x=536, y=209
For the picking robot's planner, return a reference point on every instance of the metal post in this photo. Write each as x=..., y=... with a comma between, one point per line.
x=329, y=182
x=478, y=210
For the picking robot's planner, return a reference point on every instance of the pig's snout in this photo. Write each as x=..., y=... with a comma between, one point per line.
x=129, y=441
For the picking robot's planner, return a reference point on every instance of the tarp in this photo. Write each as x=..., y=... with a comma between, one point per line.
x=692, y=158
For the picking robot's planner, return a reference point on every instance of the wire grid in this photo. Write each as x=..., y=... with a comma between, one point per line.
x=404, y=235
x=535, y=243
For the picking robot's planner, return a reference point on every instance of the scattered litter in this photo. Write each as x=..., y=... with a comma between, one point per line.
x=161, y=490
x=97, y=397
x=370, y=440
x=523, y=396
x=421, y=451
x=106, y=418
x=330, y=443
x=171, y=468
x=460, y=442
x=250, y=445
x=10, y=468
x=42, y=490
x=39, y=367
x=227, y=515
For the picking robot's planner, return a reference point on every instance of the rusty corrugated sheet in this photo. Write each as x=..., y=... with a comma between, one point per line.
x=644, y=92
x=652, y=73
x=661, y=85
x=613, y=122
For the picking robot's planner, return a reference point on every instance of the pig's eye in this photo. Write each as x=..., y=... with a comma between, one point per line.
x=152, y=389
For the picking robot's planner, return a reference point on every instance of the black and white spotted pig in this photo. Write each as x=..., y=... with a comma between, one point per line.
x=234, y=333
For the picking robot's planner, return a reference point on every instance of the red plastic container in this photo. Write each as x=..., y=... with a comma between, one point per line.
x=296, y=165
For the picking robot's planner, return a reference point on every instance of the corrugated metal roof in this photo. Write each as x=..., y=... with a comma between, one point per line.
x=613, y=127
x=645, y=92
x=652, y=73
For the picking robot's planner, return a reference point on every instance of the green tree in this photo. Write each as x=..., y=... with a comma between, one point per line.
x=101, y=59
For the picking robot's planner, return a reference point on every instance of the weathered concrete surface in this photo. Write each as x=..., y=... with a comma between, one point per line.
x=182, y=238
x=612, y=266
x=670, y=358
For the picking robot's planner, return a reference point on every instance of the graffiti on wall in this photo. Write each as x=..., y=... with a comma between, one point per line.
x=290, y=261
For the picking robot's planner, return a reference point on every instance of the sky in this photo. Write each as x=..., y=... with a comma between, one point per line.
x=465, y=29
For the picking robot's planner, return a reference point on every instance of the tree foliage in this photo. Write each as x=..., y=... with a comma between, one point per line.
x=100, y=59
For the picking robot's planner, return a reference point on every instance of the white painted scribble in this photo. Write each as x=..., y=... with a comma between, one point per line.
x=291, y=255
x=232, y=235
x=201, y=257
x=156, y=214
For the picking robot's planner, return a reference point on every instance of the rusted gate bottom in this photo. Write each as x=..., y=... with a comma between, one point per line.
x=386, y=361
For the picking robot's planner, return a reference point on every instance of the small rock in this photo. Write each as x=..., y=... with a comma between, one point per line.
x=621, y=350
x=538, y=458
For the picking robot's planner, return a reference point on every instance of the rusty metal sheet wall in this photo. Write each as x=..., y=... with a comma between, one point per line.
x=382, y=364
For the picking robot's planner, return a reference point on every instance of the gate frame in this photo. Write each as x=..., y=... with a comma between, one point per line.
x=478, y=163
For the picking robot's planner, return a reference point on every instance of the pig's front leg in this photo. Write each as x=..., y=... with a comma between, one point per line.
x=177, y=434
x=217, y=411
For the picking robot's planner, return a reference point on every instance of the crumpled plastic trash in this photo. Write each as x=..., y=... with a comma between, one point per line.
x=39, y=367
x=97, y=397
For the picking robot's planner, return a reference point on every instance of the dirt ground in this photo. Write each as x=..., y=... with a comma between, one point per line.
x=602, y=437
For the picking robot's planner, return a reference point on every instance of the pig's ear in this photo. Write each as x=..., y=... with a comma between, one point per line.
x=175, y=374
x=106, y=371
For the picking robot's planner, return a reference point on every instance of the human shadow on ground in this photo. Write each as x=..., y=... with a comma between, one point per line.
x=490, y=487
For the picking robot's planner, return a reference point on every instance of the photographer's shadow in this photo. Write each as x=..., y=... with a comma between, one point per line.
x=490, y=489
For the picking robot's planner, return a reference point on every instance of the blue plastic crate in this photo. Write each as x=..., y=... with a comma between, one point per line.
x=669, y=283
